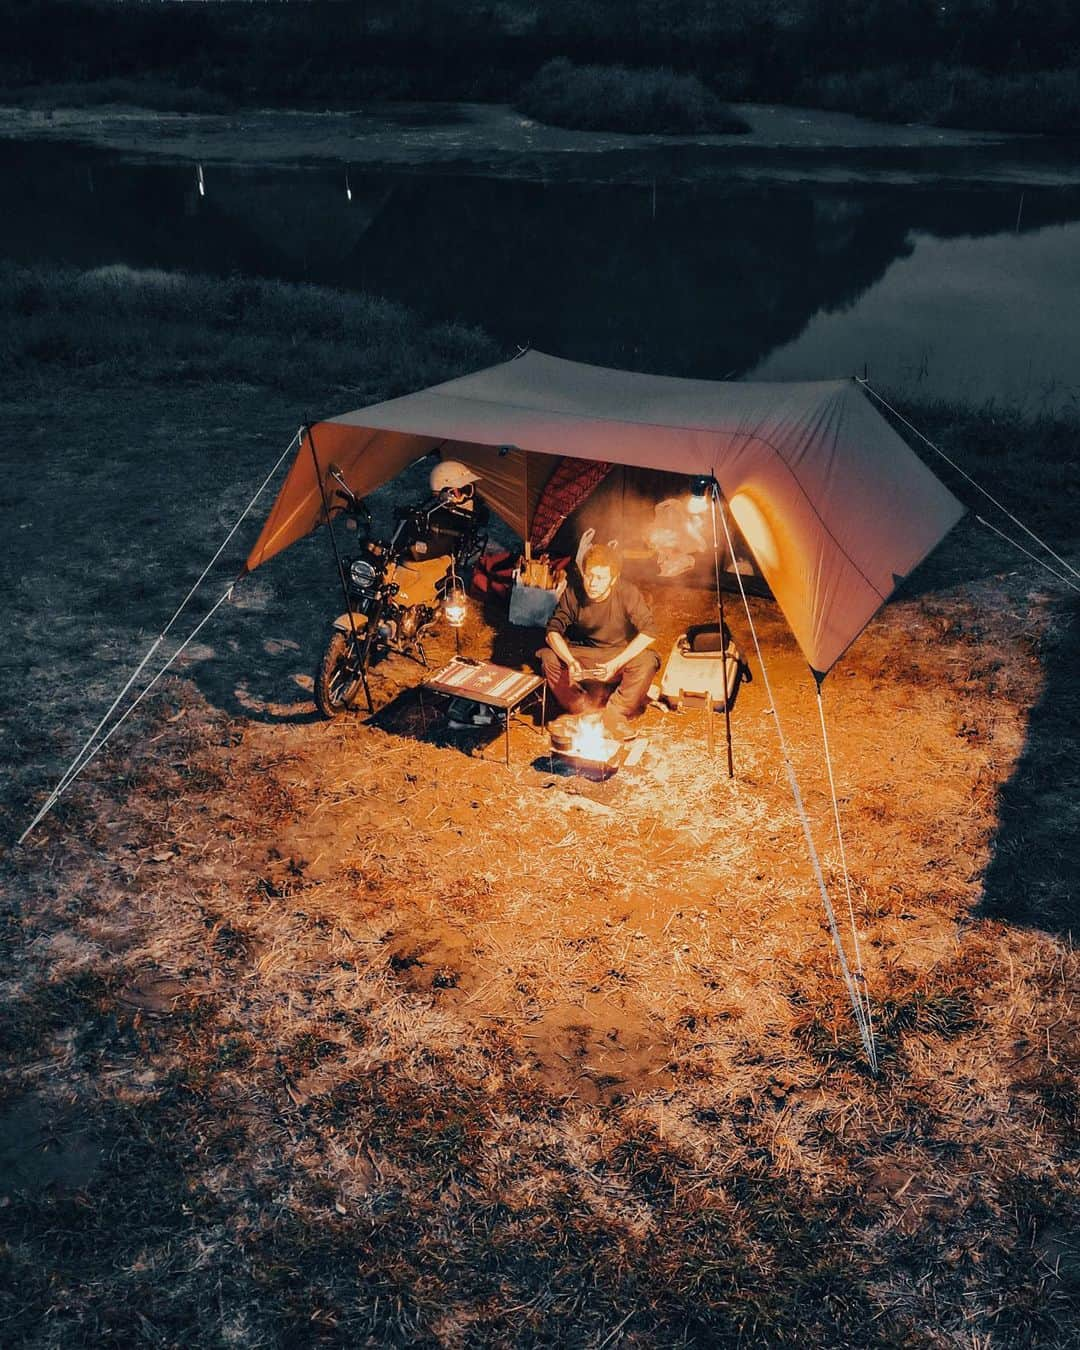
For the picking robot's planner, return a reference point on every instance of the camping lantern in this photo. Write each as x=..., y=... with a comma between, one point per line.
x=700, y=487
x=455, y=605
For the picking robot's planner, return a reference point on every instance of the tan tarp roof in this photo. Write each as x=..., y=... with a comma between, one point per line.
x=834, y=505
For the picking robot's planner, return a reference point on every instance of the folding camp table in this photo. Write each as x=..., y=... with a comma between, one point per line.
x=494, y=686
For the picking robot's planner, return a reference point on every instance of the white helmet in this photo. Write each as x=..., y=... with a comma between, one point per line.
x=451, y=473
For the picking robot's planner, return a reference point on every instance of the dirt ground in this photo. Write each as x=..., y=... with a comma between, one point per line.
x=348, y=1033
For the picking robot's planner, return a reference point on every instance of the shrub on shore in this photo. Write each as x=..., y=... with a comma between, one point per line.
x=171, y=327
x=615, y=98
x=146, y=92
x=955, y=96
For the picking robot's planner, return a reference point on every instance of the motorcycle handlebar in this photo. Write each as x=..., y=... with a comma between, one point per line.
x=354, y=504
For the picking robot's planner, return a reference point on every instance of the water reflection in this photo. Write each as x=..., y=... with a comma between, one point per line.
x=933, y=287
x=958, y=318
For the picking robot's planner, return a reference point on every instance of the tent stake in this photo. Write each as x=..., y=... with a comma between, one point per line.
x=341, y=573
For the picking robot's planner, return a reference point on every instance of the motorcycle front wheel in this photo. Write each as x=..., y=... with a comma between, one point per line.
x=337, y=681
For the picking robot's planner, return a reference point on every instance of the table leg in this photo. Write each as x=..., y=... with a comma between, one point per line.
x=507, y=716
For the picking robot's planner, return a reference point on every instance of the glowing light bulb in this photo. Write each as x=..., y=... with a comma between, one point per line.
x=757, y=531
x=701, y=489
x=455, y=607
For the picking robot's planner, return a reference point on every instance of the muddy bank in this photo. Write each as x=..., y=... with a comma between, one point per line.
x=494, y=139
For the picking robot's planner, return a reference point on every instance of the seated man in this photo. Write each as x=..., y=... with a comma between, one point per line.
x=601, y=632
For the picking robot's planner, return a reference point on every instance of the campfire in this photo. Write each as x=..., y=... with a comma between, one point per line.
x=584, y=744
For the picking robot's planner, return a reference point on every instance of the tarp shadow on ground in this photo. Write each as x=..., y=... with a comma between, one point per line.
x=1031, y=878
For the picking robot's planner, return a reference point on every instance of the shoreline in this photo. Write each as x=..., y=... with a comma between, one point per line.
x=494, y=139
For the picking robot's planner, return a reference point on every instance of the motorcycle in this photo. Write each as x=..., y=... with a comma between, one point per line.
x=395, y=590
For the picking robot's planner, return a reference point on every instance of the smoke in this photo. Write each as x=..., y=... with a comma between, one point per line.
x=677, y=535
x=647, y=513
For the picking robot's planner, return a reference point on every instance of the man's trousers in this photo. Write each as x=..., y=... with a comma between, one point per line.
x=628, y=691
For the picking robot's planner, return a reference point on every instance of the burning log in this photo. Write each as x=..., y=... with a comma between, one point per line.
x=583, y=743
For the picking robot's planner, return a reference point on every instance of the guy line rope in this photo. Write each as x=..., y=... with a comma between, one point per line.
x=989, y=497
x=94, y=742
x=856, y=984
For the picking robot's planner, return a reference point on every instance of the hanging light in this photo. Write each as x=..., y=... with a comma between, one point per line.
x=700, y=488
x=200, y=180
x=456, y=605
x=348, y=187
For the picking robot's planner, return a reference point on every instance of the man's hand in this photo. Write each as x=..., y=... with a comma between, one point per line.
x=560, y=647
x=605, y=672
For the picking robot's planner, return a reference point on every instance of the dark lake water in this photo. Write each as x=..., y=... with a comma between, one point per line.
x=966, y=290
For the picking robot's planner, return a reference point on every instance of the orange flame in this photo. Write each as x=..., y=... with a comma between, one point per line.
x=590, y=740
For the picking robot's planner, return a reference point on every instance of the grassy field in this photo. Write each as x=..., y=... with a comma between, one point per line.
x=345, y=1034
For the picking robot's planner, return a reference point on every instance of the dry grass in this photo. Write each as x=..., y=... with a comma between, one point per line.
x=342, y=1033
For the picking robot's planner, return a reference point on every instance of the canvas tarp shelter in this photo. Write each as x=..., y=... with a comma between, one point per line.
x=835, y=507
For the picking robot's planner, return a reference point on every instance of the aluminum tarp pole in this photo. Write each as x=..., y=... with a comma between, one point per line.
x=341, y=571
x=713, y=496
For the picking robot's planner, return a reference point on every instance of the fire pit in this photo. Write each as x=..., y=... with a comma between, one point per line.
x=583, y=744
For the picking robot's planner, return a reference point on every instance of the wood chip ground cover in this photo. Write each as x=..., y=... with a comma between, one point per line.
x=347, y=1033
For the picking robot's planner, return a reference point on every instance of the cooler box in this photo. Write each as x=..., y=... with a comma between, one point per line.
x=704, y=667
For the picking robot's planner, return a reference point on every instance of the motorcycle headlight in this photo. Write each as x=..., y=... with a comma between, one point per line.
x=362, y=575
